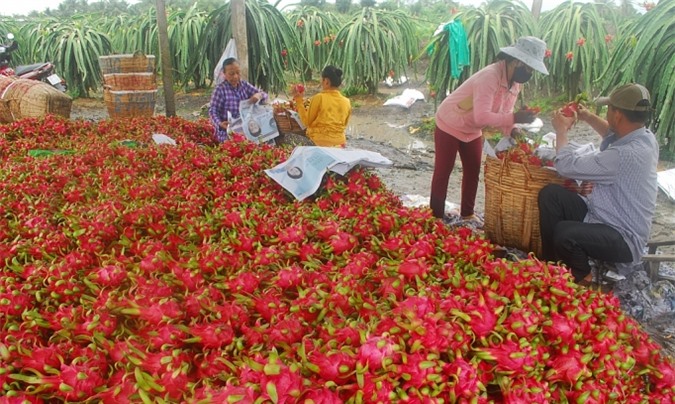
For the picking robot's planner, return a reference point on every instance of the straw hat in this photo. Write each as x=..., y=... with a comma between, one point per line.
x=529, y=50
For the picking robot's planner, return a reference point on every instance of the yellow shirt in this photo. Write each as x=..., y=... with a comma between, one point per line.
x=326, y=118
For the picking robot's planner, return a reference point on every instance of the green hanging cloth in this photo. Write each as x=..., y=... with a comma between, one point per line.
x=458, y=46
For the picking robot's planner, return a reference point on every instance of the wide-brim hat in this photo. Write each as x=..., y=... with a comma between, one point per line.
x=529, y=50
x=631, y=97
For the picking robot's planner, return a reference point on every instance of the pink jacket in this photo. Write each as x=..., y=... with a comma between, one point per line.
x=484, y=99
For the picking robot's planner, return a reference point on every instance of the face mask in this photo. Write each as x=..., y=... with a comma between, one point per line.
x=521, y=74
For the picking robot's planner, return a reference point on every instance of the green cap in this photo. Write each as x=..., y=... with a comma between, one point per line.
x=630, y=97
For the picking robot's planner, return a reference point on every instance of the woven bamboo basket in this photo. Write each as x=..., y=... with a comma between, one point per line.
x=290, y=139
x=290, y=132
x=127, y=63
x=5, y=81
x=129, y=81
x=511, y=208
x=130, y=104
x=286, y=123
x=23, y=98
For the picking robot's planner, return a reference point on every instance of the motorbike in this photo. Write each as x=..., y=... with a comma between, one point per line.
x=44, y=72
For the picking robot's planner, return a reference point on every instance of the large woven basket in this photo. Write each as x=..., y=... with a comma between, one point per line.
x=286, y=123
x=511, y=209
x=130, y=104
x=127, y=63
x=23, y=98
x=129, y=81
x=292, y=140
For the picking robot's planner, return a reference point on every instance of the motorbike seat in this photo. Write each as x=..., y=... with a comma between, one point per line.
x=21, y=70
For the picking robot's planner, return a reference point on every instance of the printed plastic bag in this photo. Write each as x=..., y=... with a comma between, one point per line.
x=258, y=121
x=229, y=52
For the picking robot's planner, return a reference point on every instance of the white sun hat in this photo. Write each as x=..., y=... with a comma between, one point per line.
x=529, y=50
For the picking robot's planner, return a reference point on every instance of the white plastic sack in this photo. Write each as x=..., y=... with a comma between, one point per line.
x=160, y=138
x=549, y=139
x=666, y=181
x=505, y=143
x=229, y=52
x=390, y=82
x=533, y=127
x=406, y=99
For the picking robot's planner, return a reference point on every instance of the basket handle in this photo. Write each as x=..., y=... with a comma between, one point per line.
x=527, y=171
x=505, y=169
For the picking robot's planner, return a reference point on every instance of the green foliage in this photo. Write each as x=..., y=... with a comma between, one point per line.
x=72, y=45
x=108, y=7
x=131, y=33
x=68, y=8
x=666, y=154
x=313, y=3
x=576, y=34
x=185, y=28
x=425, y=128
x=268, y=33
x=354, y=90
x=315, y=30
x=7, y=26
x=492, y=26
x=27, y=39
x=119, y=29
x=343, y=6
x=373, y=43
x=645, y=54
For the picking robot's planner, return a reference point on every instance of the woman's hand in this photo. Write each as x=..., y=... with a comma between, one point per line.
x=224, y=124
x=255, y=98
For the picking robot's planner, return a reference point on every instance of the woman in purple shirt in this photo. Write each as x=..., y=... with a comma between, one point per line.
x=485, y=99
x=228, y=94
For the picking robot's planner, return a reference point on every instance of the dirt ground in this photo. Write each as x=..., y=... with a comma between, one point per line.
x=404, y=136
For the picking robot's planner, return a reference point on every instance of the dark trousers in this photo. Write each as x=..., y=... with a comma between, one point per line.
x=565, y=237
x=445, y=153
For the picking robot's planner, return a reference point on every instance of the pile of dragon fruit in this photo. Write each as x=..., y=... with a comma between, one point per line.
x=136, y=272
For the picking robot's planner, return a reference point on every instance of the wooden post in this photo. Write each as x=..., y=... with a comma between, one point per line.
x=165, y=55
x=536, y=8
x=238, y=8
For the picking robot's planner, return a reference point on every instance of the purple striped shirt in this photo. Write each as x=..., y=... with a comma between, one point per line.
x=226, y=98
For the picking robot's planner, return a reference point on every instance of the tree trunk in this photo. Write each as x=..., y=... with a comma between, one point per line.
x=238, y=8
x=165, y=57
x=536, y=8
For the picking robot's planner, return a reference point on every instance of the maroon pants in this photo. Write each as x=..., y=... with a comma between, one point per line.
x=470, y=153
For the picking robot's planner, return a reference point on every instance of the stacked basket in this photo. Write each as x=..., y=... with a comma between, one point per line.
x=511, y=208
x=130, y=87
x=23, y=98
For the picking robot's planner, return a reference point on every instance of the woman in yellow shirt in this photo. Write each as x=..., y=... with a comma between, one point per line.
x=329, y=111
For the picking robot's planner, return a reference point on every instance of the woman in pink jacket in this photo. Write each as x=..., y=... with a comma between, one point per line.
x=485, y=99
